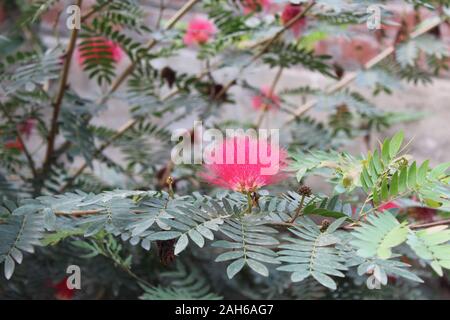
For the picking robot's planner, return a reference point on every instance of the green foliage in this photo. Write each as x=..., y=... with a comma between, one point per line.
x=185, y=284
x=381, y=233
x=21, y=231
x=26, y=70
x=378, y=235
x=280, y=54
x=432, y=244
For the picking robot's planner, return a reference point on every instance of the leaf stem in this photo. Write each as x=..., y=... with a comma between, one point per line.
x=298, y=210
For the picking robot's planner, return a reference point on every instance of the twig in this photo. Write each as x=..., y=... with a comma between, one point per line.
x=160, y=14
x=57, y=104
x=298, y=210
x=352, y=226
x=116, y=84
x=120, y=132
x=429, y=224
x=350, y=77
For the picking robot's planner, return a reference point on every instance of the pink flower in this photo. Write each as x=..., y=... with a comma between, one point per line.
x=244, y=164
x=98, y=48
x=199, y=31
x=267, y=100
x=290, y=11
x=251, y=6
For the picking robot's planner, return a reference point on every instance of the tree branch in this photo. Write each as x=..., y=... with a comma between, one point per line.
x=59, y=98
x=272, y=90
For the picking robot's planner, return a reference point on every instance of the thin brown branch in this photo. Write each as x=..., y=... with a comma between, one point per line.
x=162, y=7
x=430, y=224
x=79, y=213
x=82, y=213
x=120, y=132
x=272, y=90
x=59, y=98
x=298, y=211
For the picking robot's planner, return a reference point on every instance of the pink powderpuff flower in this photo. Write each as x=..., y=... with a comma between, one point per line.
x=98, y=48
x=290, y=11
x=251, y=6
x=199, y=31
x=245, y=164
x=267, y=100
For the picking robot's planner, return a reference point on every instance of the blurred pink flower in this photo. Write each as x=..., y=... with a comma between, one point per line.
x=245, y=164
x=266, y=100
x=254, y=5
x=199, y=31
x=348, y=53
x=388, y=205
x=290, y=11
x=26, y=127
x=14, y=144
x=99, y=47
x=62, y=292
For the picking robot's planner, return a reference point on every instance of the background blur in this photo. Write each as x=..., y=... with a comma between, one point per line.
x=430, y=134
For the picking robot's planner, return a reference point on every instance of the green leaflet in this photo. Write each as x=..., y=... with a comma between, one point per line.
x=377, y=236
x=312, y=253
x=432, y=244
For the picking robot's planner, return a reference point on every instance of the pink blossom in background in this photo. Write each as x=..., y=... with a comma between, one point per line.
x=290, y=11
x=62, y=292
x=14, y=144
x=100, y=47
x=243, y=161
x=266, y=100
x=199, y=31
x=251, y=6
x=348, y=53
x=388, y=205
x=26, y=127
